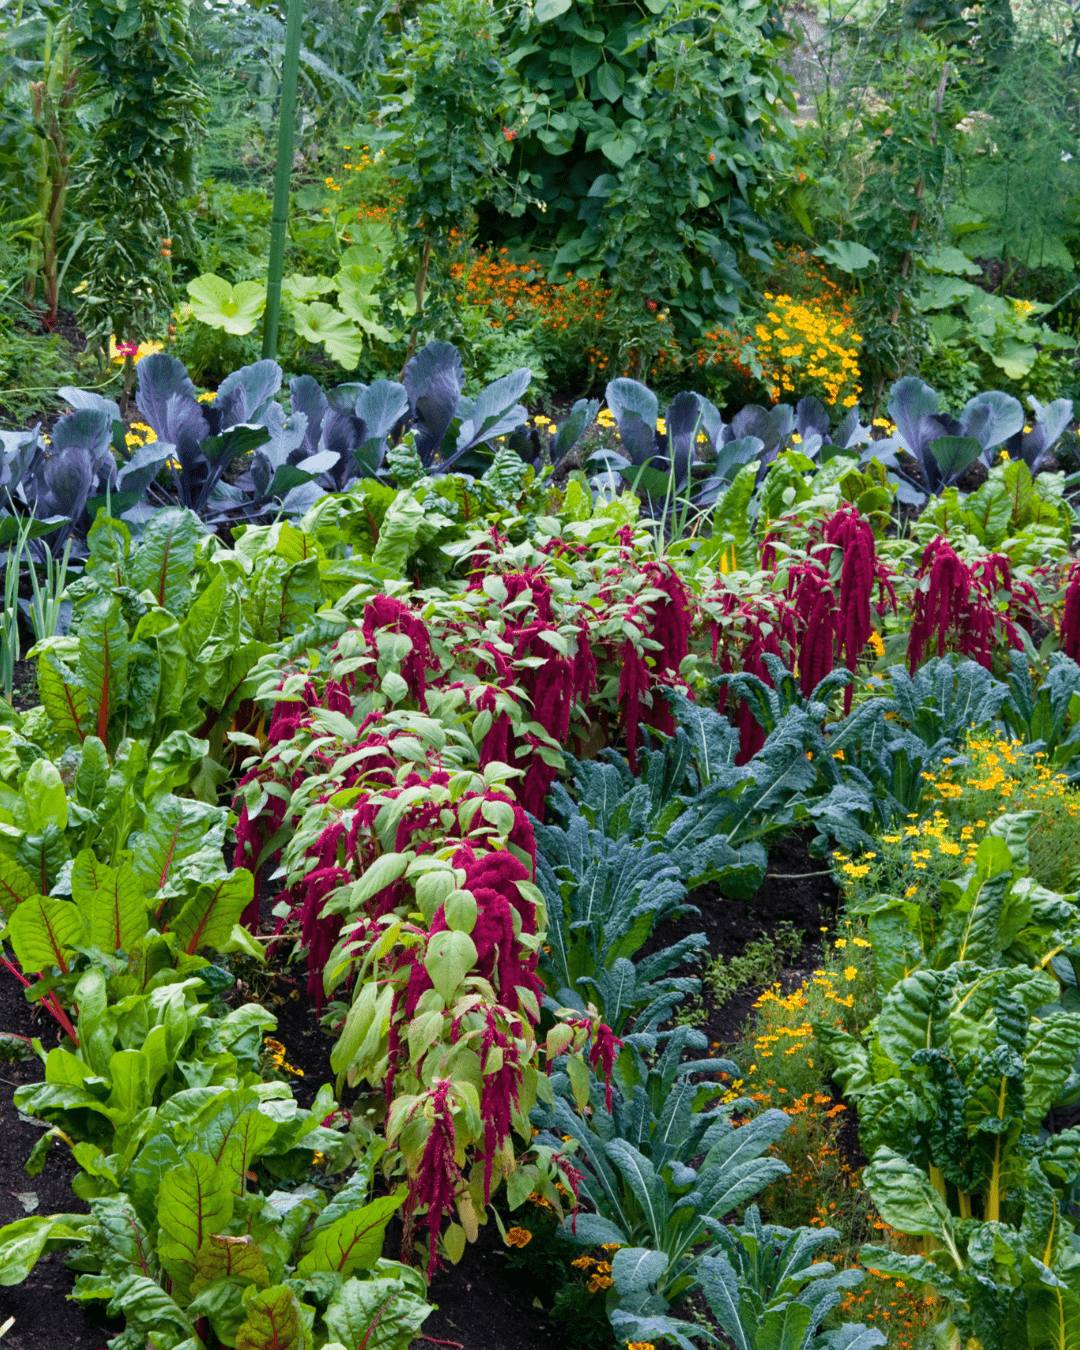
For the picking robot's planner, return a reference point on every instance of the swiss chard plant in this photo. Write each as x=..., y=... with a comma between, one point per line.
x=972, y=1047
x=188, y=1252
x=1006, y=1283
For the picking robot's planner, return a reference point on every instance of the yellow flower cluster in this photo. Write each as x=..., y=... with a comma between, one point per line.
x=601, y=1270
x=139, y=434
x=275, y=1053
x=1001, y=768
x=119, y=352
x=809, y=340
x=365, y=161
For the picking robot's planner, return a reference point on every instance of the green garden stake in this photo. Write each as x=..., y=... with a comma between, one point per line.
x=282, y=171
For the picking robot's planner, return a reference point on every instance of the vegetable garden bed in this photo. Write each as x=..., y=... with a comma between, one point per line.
x=572, y=895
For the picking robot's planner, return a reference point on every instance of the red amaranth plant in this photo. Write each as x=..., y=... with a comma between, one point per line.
x=669, y=624
x=756, y=626
x=958, y=602
x=1070, y=618
x=860, y=571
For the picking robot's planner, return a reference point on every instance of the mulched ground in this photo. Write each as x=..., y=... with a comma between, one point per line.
x=788, y=896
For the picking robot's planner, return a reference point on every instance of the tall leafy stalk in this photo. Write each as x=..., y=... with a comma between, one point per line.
x=9, y=623
x=49, y=598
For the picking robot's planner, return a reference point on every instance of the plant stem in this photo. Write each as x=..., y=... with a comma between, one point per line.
x=282, y=171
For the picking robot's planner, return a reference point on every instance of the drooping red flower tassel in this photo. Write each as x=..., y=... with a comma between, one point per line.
x=1070, y=619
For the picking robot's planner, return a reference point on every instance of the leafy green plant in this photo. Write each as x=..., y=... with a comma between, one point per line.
x=1008, y=1284
x=178, y=1244
x=764, y=1288
x=657, y=1141
x=133, y=183
x=237, y=309
x=958, y=1072
x=143, y=1036
x=641, y=103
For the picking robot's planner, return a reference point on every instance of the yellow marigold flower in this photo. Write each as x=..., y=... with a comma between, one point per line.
x=598, y=1282
x=862, y=942
x=876, y=643
x=840, y=943
x=850, y=973
x=518, y=1237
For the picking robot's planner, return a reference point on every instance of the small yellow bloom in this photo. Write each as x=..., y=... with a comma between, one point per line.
x=850, y=973
x=518, y=1237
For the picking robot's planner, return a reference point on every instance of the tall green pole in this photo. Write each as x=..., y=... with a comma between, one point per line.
x=282, y=171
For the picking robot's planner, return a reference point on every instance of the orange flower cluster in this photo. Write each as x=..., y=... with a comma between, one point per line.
x=511, y=291
x=905, y=1319
x=804, y=344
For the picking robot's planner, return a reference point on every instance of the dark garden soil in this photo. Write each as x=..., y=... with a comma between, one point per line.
x=797, y=890
x=481, y=1305
x=24, y=694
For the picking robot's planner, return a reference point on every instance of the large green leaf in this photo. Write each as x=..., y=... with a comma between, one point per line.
x=92, y=775
x=222, y=1258
x=112, y=899
x=62, y=696
x=913, y=1269
x=162, y=564
x=194, y=1202
x=905, y=1198
x=1053, y=1309
x=273, y=1321
x=353, y=1242
x=174, y=832
x=378, y=1314
x=914, y=1015
x=22, y=1242
x=233, y=1131
x=102, y=666
x=44, y=797
x=144, y=1304
x=235, y=309
x=972, y=927
x=44, y=931
x=320, y=322
x=1052, y=1046
x=208, y=917
x=16, y=885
